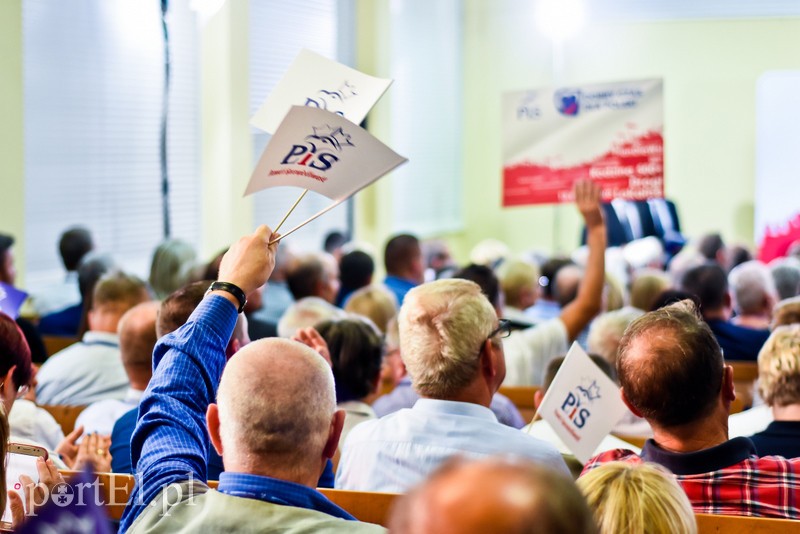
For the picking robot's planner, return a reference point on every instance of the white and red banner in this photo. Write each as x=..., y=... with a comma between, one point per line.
x=582, y=404
x=610, y=133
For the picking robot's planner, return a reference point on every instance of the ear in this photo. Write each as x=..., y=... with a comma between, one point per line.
x=728, y=387
x=91, y=319
x=728, y=302
x=232, y=348
x=488, y=362
x=212, y=422
x=630, y=406
x=337, y=424
x=538, y=397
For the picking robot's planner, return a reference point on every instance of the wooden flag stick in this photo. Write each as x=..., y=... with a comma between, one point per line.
x=322, y=212
x=296, y=202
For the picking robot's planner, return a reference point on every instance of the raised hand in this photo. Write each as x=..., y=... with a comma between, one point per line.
x=587, y=199
x=68, y=448
x=250, y=261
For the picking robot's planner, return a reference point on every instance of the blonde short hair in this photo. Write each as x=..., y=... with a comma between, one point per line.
x=375, y=303
x=779, y=367
x=786, y=312
x=514, y=277
x=443, y=325
x=637, y=499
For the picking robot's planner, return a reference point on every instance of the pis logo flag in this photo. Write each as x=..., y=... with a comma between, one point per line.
x=582, y=404
x=11, y=300
x=318, y=82
x=324, y=152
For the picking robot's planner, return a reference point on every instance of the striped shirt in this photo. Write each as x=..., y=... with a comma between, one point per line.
x=728, y=479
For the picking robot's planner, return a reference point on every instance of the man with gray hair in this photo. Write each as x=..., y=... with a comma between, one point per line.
x=754, y=295
x=786, y=275
x=274, y=422
x=450, y=343
x=606, y=332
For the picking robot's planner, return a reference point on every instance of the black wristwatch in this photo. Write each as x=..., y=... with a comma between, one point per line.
x=233, y=289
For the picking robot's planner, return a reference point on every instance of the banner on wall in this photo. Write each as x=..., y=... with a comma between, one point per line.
x=610, y=133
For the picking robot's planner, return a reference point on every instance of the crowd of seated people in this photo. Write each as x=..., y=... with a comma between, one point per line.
x=233, y=403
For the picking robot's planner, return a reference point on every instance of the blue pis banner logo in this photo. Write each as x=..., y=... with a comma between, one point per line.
x=567, y=102
x=333, y=101
x=576, y=405
x=321, y=149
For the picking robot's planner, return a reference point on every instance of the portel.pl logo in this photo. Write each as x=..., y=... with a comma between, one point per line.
x=320, y=150
x=577, y=403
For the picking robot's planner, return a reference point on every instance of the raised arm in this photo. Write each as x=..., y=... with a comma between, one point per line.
x=578, y=313
x=170, y=443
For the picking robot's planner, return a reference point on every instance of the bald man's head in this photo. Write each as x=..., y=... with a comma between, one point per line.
x=493, y=495
x=276, y=404
x=137, y=338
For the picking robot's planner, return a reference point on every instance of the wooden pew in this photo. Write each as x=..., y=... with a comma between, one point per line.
x=522, y=397
x=719, y=524
x=64, y=415
x=744, y=376
x=53, y=344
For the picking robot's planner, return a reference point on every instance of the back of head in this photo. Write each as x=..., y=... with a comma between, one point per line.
x=550, y=269
x=555, y=364
x=276, y=401
x=637, y=499
x=485, y=278
x=305, y=276
x=356, y=350
x=489, y=252
x=374, y=302
x=174, y=261
x=92, y=269
x=178, y=306
x=607, y=329
x=786, y=276
x=119, y=291
x=334, y=241
x=668, y=350
x=400, y=255
x=779, y=367
x=568, y=280
x=356, y=269
x=711, y=246
x=493, y=495
x=304, y=313
x=752, y=287
x=709, y=283
x=7, y=273
x=519, y=280
x=737, y=255
x=443, y=325
x=14, y=351
x=671, y=296
x=74, y=244
x=646, y=288
x=786, y=312
x=137, y=338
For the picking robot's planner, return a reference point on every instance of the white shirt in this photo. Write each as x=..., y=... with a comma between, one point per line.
x=542, y=430
x=30, y=423
x=355, y=412
x=83, y=373
x=57, y=296
x=398, y=451
x=529, y=351
x=100, y=416
x=749, y=422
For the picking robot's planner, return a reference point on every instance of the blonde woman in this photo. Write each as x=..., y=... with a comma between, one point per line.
x=637, y=499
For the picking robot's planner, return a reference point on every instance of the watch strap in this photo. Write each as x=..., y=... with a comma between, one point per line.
x=233, y=289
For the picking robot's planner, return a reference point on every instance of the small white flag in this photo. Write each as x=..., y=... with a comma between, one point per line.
x=582, y=404
x=324, y=152
x=316, y=81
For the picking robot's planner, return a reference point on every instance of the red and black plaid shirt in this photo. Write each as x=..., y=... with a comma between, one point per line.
x=728, y=479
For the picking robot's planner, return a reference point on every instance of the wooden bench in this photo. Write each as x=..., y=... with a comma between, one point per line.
x=745, y=374
x=727, y=524
x=53, y=344
x=64, y=415
x=522, y=397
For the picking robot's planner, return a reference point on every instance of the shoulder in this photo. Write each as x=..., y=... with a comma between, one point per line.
x=614, y=455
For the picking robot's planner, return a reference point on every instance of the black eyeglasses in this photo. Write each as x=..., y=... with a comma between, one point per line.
x=503, y=329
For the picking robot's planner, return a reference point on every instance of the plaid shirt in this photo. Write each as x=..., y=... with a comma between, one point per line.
x=728, y=479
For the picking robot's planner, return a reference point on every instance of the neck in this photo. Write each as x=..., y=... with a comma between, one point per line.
x=790, y=412
x=758, y=322
x=258, y=465
x=703, y=434
x=475, y=393
x=720, y=313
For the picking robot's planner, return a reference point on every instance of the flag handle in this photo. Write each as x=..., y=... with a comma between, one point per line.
x=322, y=212
x=296, y=202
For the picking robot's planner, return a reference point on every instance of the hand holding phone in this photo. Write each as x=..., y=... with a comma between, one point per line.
x=30, y=477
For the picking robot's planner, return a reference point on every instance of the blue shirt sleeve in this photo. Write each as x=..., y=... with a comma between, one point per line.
x=170, y=442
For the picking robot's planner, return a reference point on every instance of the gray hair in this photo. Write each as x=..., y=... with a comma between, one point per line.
x=306, y=312
x=786, y=275
x=606, y=332
x=443, y=325
x=751, y=284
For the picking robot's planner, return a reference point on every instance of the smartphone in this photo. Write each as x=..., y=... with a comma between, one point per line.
x=21, y=461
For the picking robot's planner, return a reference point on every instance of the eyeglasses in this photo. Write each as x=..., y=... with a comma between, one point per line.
x=503, y=329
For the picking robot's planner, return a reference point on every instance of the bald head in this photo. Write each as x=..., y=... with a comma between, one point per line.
x=493, y=495
x=137, y=338
x=276, y=403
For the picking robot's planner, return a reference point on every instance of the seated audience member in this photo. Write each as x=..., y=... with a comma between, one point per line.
x=786, y=312
x=493, y=495
x=173, y=312
x=672, y=373
x=314, y=275
x=273, y=419
x=489, y=252
x=356, y=352
x=277, y=295
x=438, y=260
x=405, y=270
x=355, y=271
x=519, y=281
x=306, y=312
x=334, y=244
x=92, y=370
x=73, y=245
x=786, y=276
x=637, y=499
x=137, y=337
x=541, y=429
x=709, y=284
x=374, y=302
x=712, y=248
x=449, y=336
x=754, y=295
x=173, y=266
x=779, y=385
x=737, y=255
x=671, y=296
x=546, y=307
x=646, y=287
